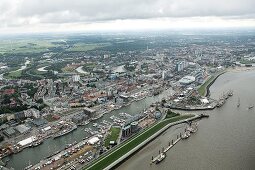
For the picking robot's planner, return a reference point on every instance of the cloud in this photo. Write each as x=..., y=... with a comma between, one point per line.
x=15, y=13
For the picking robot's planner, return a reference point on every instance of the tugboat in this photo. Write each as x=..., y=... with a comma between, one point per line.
x=162, y=156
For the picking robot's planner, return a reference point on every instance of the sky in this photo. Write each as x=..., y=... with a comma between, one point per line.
x=17, y=16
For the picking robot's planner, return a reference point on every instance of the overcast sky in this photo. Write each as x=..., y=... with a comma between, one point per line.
x=93, y=15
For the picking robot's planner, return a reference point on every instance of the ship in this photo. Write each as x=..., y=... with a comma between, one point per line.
x=37, y=143
x=65, y=131
x=251, y=106
x=161, y=157
x=186, y=135
x=192, y=129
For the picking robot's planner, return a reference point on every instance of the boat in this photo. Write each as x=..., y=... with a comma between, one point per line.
x=230, y=93
x=238, y=103
x=83, y=123
x=192, y=129
x=65, y=131
x=251, y=106
x=185, y=135
x=37, y=143
x=161, y=157
x=29, y=166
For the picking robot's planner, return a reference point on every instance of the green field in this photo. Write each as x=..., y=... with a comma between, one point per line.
x=112, y=136
x=38, y=46
x=14, y=74
x=132, y=143
x=25, y=46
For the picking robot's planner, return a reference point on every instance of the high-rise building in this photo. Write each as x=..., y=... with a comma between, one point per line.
x=76, y=78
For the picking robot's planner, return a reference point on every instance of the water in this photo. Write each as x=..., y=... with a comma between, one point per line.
x=224, y=141
x=49, y=146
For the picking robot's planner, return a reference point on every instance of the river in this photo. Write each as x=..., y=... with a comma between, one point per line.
x=224, y=141
x=49, y=146
x=23, y=67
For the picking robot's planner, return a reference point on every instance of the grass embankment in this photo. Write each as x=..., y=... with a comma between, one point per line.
x=132, y=143
x=112, y=136
x=203, y=88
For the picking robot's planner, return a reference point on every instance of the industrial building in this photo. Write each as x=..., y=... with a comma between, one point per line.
x=22, y=128
x=10, y=132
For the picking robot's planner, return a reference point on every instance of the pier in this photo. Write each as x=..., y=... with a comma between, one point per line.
x=190, y=129
x=167, y=149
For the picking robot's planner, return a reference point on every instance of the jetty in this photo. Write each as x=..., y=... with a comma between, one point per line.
x=191, y=129
x=154, y=160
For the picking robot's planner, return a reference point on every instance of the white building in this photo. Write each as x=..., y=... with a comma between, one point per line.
x=181, y=65
x=27, y=141
x=93, y=140
x=76, y=78
x=32, y=113
x=164, y=75
x=187, y=80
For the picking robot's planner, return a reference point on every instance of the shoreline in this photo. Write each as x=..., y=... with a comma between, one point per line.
x=237, y=69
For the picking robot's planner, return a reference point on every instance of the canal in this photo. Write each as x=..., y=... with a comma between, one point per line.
x=224, y=141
